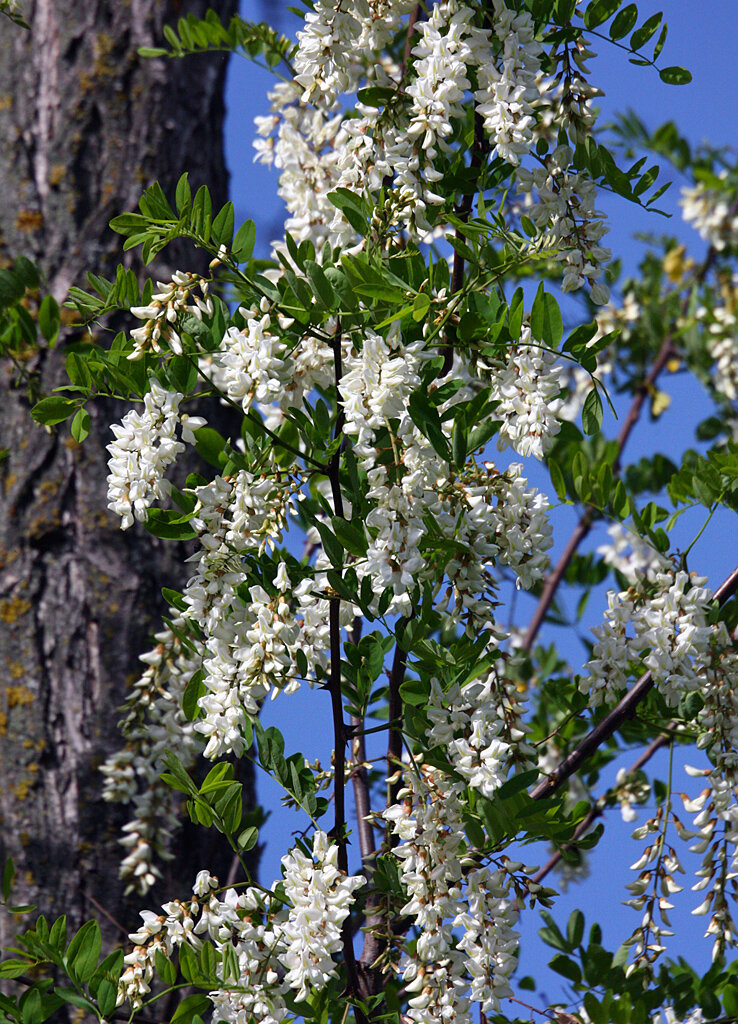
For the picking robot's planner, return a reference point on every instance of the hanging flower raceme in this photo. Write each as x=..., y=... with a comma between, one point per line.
x=145, y=446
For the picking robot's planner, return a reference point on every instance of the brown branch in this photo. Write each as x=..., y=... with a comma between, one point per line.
x=412, y=21
x=598, y=808
x=554, y=578
x=624, y=710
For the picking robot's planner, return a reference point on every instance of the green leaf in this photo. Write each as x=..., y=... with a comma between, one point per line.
x=170, y=524
x=331, y=544
x=675, y=75
x=351, y=535
x=11, y=288
x=243, y=243
x=53, y=409
x=196, y=1004
x=49, y=319
x=8, y=876
x=566, y=967
x=83, y=951
x=209, y=445
x=222, y=230
x=557, y=479
x=80, y=426
x=426, y=419
x=515, y=315
x=352, y=207
x=575, y=927
x=624, y=22
x=321, y=286
x=546, y=324
x=15, y=968
x=248, y=838
x=592, y=412
x=599, y=11
x=415, y=692
x=193, y=691
x=421, y=306
x=641, y=35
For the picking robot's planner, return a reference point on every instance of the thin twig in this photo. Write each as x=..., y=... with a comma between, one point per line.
x=412, y=21
x=598, y=807
x=106, y=913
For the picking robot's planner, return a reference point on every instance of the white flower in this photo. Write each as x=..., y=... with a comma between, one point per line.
x=321, y=898
x=145, y=446
x=527, y=389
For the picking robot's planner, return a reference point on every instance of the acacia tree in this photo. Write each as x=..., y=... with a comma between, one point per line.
x=440, y=166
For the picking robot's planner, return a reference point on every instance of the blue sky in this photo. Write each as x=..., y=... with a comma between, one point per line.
x=701, y=37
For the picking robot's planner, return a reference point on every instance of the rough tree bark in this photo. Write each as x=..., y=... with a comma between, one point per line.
x=86, y=125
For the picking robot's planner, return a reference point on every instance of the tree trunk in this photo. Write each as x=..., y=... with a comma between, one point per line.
x=86, y=126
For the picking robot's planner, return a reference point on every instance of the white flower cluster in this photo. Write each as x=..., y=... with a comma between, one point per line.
x=305, y=144
x=321, y=898
x=164, y=309
x=715, y=828
x=712, y=212
x=507, y=94
x=524, y=534
x=250, y=649
x=145, y=446
x=274, y=948
x=338, y=34
x=153, y=723
x=631, y=555
x=561, y=203
x=718, y=718
x=466, y=721
x=661, y=625
x=445, y=975
x=651, y=892
x=721, y=323
x=254, y=366
x=249, y=365
x=317, y=148
x=528, y=387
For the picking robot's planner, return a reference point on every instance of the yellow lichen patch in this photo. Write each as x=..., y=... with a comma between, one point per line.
x=29, y=220
x=16, y=669
x=18, y=696
x=45, y=524
x=57, y=173
x=3, y=724
x=10, y=480
x=32, y=767
x=20, y=789
x=48, y=488
x=13, y=608
x=6, y=101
